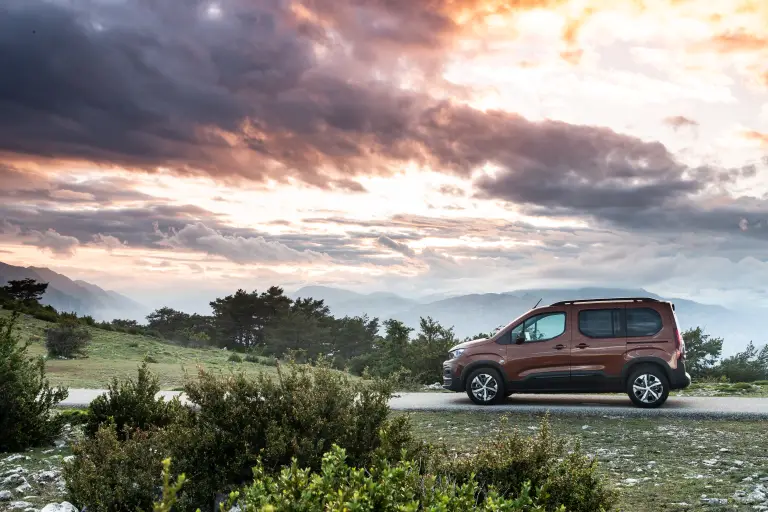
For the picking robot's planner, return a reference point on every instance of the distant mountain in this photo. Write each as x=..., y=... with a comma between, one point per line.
x=80, y=297
x=476, y=313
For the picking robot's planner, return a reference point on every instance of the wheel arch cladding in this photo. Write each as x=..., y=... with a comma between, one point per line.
x=646, y=361
x=477, y=365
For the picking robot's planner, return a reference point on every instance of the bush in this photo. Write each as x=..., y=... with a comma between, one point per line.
x=26, y=397
x=298, y=415
x=131, y=405
x=148, y=359
x=115, y=473
x=761, y=383
x=235, y=358
x=339, y=486
x=559, y=476
x=741, y=386
x=46, y=315
x=67, y=339
x=74, y=416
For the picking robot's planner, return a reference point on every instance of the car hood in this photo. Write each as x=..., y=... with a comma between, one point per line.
x=467, y=344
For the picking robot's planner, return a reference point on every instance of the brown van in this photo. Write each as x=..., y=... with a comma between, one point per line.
x=631, y=345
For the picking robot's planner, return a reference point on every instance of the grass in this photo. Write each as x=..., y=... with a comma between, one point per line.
x=114, y=354
x=757, y=389
x=657, y=465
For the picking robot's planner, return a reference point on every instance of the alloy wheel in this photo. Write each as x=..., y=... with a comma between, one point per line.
x=647, y=388
x=484, y=387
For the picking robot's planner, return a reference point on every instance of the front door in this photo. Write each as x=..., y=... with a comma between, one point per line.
x=538, y=352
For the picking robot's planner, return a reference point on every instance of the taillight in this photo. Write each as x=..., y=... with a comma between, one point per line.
x=679, y=343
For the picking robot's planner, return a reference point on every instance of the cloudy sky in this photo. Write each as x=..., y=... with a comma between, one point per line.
x=425, y=146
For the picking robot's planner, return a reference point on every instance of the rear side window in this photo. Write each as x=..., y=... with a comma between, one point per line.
x=643, y=322
x=600, y=323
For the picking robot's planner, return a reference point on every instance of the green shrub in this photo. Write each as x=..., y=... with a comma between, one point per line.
x=741, y=386
x=26, y=397
x=148, y=359
x=67, y=339
x=761, y=383
x=509, y=460
x=74, y=416
x=400, y=486
x=235, y=358
x=299, y=415
x=113, y=473
x=132, y=404
x=133, y=344
x=46, y=315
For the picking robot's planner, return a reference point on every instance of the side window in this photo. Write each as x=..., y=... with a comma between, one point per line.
x=544, y=327
x=643, y=322
x=601, y=323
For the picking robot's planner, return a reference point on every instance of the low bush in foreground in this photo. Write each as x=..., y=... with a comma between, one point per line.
x=132, y=404
x=67, y=339
x=511, y=460
x=381, y=487
x=26, y=397
x=112, y=472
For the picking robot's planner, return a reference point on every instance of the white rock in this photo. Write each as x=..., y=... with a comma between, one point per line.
x=715, y=501
x=69, y=458
x=16, y=505
x=14, y=458
x=12, y=480
x=64, y=506
x=630, y=481
x=5, y=495
x=23, y=488
x=46, y=476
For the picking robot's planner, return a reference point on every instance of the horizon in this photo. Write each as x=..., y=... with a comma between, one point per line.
x=398, y=147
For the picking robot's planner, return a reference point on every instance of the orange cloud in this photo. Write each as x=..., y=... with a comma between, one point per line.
x=756, y=136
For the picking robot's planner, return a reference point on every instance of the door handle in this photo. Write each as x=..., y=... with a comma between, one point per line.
x=559, y=347
x=582, y=345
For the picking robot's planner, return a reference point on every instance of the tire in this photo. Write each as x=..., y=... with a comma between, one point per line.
x=648, y=386
x=485, y=386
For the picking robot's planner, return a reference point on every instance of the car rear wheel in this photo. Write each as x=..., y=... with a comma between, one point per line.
x=648, y=387
x=485, y=386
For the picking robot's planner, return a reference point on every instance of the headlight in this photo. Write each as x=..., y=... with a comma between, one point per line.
x=453, y=354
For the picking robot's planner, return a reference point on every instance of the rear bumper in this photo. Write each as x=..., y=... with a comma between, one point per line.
x=681, y=379
x=451, y=379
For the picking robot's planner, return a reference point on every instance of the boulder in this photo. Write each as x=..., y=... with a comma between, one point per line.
x=5, y=495
x=64, y=506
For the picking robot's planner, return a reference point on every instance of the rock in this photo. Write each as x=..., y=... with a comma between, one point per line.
x=714, y=501
x=14, y=458
x=24, y=487
x=60, y=443
x=64, y=506
x=12, y=480
x=18, y=505
x=46, y=476
x=5, y=495
x=69, y=458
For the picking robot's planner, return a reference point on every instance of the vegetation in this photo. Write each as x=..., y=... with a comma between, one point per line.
x=310, y=424
x=703, y=359
x=383, y=486
x=68, y=339
x=132, y=405
x=26, y=397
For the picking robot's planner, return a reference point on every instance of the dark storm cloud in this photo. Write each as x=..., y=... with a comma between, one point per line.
x=266, y=91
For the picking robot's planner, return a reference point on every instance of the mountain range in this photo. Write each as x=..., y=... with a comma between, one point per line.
x=80, y=297
x=478, y=313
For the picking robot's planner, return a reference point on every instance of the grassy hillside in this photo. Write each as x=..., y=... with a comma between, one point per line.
x=114, y=354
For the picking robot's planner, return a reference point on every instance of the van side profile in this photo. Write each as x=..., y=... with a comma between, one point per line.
x=631, y=345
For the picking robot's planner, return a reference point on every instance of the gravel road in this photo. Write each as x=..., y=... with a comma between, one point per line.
x=571, y=405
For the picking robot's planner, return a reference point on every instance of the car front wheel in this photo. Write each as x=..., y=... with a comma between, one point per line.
x=648, y=387
x=485, y=386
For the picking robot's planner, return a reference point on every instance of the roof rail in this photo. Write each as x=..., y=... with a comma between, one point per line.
x=615, y=299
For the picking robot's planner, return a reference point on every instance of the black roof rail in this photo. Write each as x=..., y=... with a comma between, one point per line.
x=615, y=299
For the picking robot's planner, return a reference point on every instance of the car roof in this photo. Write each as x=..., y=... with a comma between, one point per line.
x=614, y=299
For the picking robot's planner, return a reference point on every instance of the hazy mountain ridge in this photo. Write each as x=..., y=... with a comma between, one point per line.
x=80, y=297
x=480, y=312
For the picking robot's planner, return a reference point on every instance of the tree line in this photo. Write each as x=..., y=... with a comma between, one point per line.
x=269, y=323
